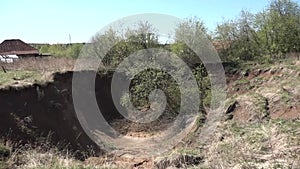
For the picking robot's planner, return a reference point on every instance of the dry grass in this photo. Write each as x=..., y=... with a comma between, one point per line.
x=266, y=145
x=32, y=70
x=45, y=64
x=27, y=71
x=44, y=156
x=54, y=64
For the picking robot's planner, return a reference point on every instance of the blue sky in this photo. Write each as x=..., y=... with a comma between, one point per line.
x=52, y=21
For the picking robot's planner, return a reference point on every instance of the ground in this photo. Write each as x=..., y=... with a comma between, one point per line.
x=259, y=127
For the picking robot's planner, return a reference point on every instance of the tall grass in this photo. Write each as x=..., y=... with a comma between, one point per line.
x=43, y=155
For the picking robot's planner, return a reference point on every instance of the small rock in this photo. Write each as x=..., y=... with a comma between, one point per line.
x=266, y=70
x=258, y=72
x=246, y=73
x=273, y=71
x=221, y=138
x=231, y=107
x=28, y=119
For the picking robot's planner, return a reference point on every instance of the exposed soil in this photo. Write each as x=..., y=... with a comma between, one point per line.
x=31, y=112
x=128, y=128
x=258, y=94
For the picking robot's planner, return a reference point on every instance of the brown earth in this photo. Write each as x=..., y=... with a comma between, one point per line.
x=30, y=112
x=261, y=93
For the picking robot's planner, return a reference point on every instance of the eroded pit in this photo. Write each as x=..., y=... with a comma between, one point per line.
x=29, y=113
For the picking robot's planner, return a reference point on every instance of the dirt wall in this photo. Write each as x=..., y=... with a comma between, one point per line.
x=31, y=112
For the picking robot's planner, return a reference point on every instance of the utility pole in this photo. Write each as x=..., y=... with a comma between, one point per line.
x=70, y=38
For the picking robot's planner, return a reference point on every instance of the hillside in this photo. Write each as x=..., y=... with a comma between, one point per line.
x=260, y=127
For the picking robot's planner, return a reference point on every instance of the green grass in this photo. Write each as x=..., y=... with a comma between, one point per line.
x=241, y=82
x=4, y=151
x=291, y=127
x=285, y=97
x=13, y=77
x=189, y=151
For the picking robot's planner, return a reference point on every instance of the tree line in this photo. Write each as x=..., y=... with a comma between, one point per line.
x=60, y=50
x=273, y=33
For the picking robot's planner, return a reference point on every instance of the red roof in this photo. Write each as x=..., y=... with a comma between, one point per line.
x=16, y=47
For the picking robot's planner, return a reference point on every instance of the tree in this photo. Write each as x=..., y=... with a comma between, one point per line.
x=73, y=50
x=192, y=43
x=145, y=35
x=225, y=34
x=238, y=38
x=247, y=42
x=273, y=32
x=279, y=27
x=113, y=46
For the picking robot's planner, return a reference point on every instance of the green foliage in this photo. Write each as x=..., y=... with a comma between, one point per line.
x=74, y=50
x=191, y=28
x=185, y=53
x=240, y=36
x=118, y=52
x=60, y=50
x=21, y=76
x=241, y=82
x=146, y=81
x=143, y=83
x=274, y=32
x=184, y=39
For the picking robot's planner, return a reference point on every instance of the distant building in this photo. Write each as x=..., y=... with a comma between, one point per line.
x=8, y=58
x=16, y=47
x=13, y=49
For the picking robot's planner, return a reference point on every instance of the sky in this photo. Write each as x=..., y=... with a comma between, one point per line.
x=55, y=21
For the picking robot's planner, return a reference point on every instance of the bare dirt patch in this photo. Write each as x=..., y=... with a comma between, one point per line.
x=277, y=86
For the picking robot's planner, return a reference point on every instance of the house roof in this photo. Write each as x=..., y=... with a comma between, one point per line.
x=16, y=47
